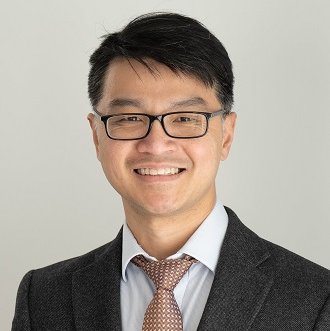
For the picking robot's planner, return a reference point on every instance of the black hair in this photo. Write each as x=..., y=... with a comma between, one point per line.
x=181, y=43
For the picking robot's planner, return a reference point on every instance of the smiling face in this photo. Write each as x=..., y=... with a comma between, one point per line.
x=160, y=176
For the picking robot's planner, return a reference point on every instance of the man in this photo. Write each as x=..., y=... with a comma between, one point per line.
x=162, y=92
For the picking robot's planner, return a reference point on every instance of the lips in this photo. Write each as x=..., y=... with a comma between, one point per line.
x=158, y=171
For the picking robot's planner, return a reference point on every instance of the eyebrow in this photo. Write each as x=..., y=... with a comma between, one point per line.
x=123, y=102
x=196, y=101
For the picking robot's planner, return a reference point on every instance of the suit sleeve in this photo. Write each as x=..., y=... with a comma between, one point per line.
x=323, y=320
x=21, y=321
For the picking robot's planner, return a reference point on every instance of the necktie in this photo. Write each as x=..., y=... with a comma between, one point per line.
x=163, y=312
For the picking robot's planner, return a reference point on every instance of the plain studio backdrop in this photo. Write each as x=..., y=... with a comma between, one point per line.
x=55, y=200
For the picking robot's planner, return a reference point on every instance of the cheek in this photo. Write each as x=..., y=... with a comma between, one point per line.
x=206, y=154
x=112, y=160
x=215, y=144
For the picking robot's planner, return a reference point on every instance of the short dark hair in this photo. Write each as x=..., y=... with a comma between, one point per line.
x=181, y=43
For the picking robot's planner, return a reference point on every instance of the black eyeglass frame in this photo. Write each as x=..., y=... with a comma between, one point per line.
x=160, y=118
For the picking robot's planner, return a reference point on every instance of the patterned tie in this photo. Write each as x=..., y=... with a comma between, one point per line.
x=163, y=312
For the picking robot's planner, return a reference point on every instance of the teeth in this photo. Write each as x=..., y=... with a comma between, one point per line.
x=158, y=172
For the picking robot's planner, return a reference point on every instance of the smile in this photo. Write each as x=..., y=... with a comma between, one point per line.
x=158, y=172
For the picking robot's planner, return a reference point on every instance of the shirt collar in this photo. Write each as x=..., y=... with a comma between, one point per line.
x=204, y=245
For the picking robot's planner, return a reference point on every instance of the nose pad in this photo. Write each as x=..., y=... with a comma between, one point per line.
x=158, y=120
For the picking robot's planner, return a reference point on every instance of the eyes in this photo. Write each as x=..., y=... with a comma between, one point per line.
x=173, y=118
x=130, y=119
x=185, y=119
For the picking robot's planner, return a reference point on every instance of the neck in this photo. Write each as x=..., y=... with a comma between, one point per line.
x=163, y=235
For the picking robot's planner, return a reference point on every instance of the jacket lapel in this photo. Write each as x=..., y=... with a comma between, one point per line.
x=96, y=291
x=242, y=280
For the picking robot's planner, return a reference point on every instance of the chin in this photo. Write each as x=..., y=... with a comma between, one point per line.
x=160, y=208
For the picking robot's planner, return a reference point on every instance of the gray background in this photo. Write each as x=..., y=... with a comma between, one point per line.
x=55, y=200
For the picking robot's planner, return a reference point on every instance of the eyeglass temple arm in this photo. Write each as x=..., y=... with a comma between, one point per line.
x=98, y=115
x=216, y=113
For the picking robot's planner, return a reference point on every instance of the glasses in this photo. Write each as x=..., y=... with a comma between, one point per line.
x=134, y=126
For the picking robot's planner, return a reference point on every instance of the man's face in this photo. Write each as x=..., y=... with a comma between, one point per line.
x=138, y=90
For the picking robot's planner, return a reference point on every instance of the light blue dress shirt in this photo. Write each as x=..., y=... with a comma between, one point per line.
x=191, y=293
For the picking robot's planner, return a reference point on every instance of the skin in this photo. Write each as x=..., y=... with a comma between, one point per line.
x=161, y=211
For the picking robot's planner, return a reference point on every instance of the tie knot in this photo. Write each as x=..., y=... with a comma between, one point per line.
x=164, y=273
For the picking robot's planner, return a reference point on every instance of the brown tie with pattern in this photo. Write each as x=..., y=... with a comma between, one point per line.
x=163, y=312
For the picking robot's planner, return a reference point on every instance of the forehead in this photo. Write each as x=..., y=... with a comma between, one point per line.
x=132, y=79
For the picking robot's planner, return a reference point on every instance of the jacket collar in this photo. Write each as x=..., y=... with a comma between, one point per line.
x=242, y=280
x=96, y=291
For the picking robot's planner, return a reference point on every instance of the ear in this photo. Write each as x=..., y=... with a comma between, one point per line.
x=228, y=134
x=91, y=119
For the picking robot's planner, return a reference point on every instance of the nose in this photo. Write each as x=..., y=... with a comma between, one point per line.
x=157, y=141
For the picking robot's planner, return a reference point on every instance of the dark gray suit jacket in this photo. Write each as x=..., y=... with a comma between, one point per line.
x=257, y=286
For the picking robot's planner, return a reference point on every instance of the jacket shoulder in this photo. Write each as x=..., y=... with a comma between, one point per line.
x=80, y=262
x=284, y=262
x=44, y=294
x=294, y=265
x=73, y=264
